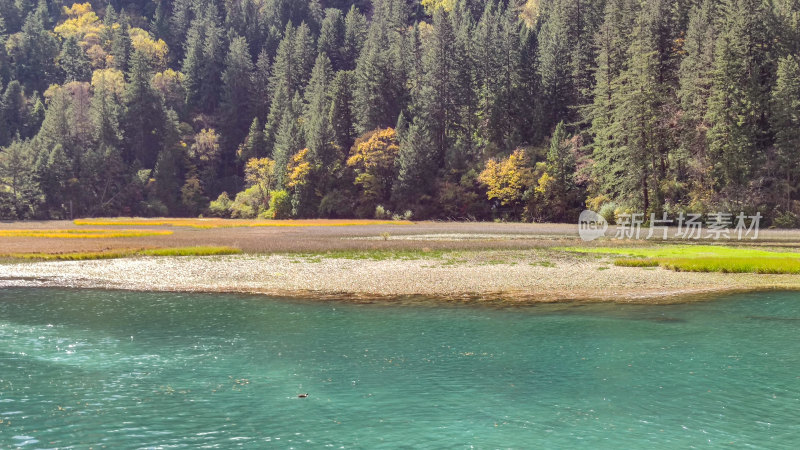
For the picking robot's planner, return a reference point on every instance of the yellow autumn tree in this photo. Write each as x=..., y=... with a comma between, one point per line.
x=81, y=23
x=171, y=85
x=508, y=179
x=299, y=169
x=260, y=173
x=156, y=50
x=431, y=5
x=373, y=156
x=112, y=80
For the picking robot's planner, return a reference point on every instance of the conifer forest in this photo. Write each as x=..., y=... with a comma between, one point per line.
x=417, y=109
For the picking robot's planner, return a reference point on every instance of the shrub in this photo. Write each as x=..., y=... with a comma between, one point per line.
x=248, y=204
x=786, y=219
x=382, y=213
x=608, y=212
x=335, y=204
x=221, y=207
x=280, y=205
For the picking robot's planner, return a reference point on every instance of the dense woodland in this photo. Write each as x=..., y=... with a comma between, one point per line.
x=443, y=109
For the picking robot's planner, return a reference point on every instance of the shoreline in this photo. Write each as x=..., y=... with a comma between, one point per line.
x=519, y=279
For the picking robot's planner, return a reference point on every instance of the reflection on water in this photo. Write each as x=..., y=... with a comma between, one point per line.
x=94, y=368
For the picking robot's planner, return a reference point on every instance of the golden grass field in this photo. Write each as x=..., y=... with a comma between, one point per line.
x=83, y=234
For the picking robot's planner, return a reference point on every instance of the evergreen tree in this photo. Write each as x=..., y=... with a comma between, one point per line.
x=144, y=114
x=13, y=112
x=786, y=126
x=74, y=61
x=236, y=91
x=340, y=115
x=254, y=145
x=106, y=113
x=17, y=177
x=34, y=55
x=288, y=139
x=212, y=63
x=331, y=37
x=260, y=86
x=316, y=122
x=121, y=44
x=631, y=160
x=355, y=34
x=416, y=166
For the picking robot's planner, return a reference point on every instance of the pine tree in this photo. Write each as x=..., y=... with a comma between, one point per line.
x=355, y=34
x=34, y=55
x=497, y=73
x=212, y=63
x=144, y=114
x=192, y=61
x=331, y=37
x=316, y=122
x=380, y=82
x=630, y=162
x=290, y=73
x=121, y=45
x=236, y=91
x=555, y=67
x=17, y=177
x=786, y=126
x=416, y=166
x=106, y=113
x=13, y=111
x=254, y=145
x=340, y=115
x=260, y=86
x=288, y=140
x=439, y=97
x=74, y=61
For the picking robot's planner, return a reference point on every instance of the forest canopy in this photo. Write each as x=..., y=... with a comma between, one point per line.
x=433, y=109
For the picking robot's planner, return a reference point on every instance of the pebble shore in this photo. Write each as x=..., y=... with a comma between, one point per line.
x=518, y=277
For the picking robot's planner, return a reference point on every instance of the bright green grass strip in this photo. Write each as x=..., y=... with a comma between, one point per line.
x=684, y=251
x=113, y=254
x=628, y=262
x=733, y=265
x=702, y=258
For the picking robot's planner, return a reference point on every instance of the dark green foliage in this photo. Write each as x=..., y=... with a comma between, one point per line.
x=144, y=114
x=656, y=105
x=416, y=166
x=74, y=62
x=121, y=45
x=237, y=90
x=33, y=55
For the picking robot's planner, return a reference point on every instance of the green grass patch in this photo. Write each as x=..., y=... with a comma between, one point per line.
x=702, y=258
x=636, y=262
x=124, y=253
x=684, y=251
x=543, y=264
x=764, y=265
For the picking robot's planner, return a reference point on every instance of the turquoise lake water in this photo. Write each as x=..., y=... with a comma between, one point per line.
x=121, y=369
